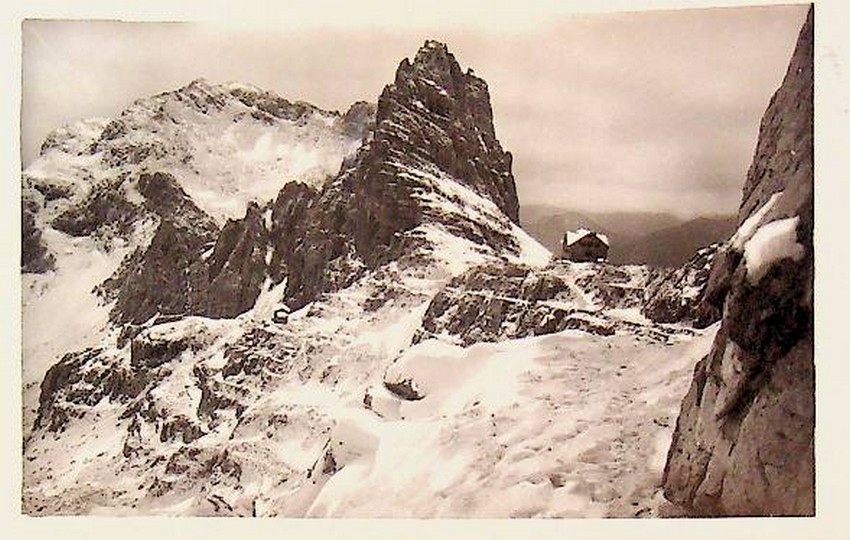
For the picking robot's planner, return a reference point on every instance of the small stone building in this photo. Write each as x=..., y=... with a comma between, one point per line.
x=584, y=246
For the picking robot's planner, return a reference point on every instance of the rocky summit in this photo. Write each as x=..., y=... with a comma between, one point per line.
x=433, y=144
x=744, y=442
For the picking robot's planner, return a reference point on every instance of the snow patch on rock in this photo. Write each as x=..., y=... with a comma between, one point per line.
x=770, y=244
x=749, y=226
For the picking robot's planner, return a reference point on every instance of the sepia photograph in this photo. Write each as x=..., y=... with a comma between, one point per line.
x=441, y=269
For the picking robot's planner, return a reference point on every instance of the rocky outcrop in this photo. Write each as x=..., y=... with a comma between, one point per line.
x=503, y=301
x=262, y=102
x=34, y=255
x=190, y=267
x=428, y=148
x=500, y=301
x=165, y=198
x=357, y=120
x=289, y=223
x=148, y=352
x=459, y=139
x=105, y=211
x=237, y=266
x=678, y=295
x=434, y=123
x=81, y=380
x=163, y=278
x=744, y=441
x=612, y=286
x=494, y=303
x=167, y=276
x=432, y=128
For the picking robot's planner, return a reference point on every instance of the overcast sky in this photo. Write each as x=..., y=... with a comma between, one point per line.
x=653, y=111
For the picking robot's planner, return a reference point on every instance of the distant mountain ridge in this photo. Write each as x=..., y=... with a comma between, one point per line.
x=656, y=239
x=674, y=245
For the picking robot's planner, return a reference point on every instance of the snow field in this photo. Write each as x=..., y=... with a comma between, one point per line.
x=563, y=425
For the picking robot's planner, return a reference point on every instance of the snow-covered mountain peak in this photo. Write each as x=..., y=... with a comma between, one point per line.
x=227, y=145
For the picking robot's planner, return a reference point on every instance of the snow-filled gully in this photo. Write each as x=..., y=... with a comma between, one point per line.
x=566, y=425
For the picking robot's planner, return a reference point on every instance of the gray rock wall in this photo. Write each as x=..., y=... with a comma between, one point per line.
x=744, y=441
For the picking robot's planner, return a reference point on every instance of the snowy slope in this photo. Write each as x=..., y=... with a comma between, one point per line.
x=253, y=417
x=227, y=145
x=248, y=417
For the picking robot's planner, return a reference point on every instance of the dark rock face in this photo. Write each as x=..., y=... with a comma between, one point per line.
x=181, y=428
x=159, y=280
x=289, y=223
x=34, y=255
x=433, y=121
x=171, y=276
x=785, y=134
x=744, y=441
x=677, y=295
x=167, y=277
x=237, y=267
x=165, y=198
x=81, y=378
x=461, y=140
x=494, y=303
x=321, y=222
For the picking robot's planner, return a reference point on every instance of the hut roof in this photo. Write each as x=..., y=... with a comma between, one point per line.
x=575, y=236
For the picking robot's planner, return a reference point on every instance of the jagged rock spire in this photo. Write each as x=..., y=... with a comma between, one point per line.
x=450, y=112
x=434, y=121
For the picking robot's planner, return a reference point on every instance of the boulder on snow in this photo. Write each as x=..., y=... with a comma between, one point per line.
x=405, y=389
x=280, y=316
